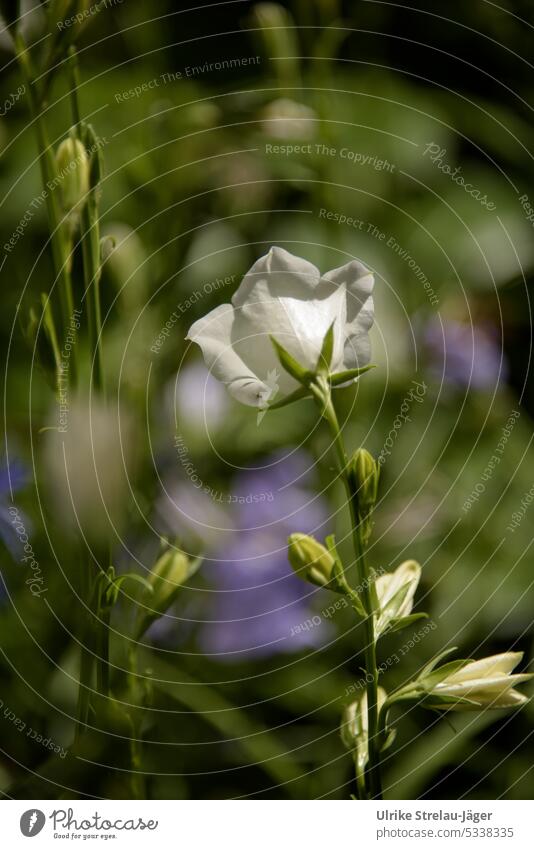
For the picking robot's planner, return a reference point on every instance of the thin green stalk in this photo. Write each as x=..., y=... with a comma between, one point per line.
x=87, y=658
x=322, y=393
x=48, y=173
x=102, y=669
x=137, y=778
x=90, y=241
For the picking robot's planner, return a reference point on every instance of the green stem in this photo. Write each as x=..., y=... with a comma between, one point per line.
x=90, y=241
x=87, y=659
x=60, y=248
x=322, y=393
x=137, y=778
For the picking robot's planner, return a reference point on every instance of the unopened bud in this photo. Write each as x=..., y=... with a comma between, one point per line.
x=169, y=573
x=310, y=560
x=73, y=173
x=365, y=473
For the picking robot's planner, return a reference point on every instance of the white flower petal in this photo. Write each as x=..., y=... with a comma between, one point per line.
x=213, y=333
x=283, y=296
x=278, y=273
x=358, y=283
x=488, y=667
x=496, y=685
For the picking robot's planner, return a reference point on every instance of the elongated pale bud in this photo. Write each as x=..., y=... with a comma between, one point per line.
x=468, y=684
x=73, y=173
x=395, y=594
x=172, y=569
x=355, y=728
x=310, y=560
x=169, y=573
x=476, y=684
x=365, y=473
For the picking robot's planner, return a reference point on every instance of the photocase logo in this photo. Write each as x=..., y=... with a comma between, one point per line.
x=32, y=822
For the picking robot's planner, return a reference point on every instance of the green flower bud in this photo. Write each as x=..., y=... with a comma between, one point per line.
x=310, y=560
x=365, y=473
x=73, y=173
x=171, y=571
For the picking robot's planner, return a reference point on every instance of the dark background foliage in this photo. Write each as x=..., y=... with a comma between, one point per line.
x=193, y=197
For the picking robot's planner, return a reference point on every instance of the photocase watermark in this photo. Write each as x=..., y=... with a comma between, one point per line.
x=492, y=463
x=355, y=157
x=32, y=822
x=65, y=819
x=184, y=306
x=21, y=726
x=82, y=16
x=415, y=395
x=436, y=155
x=41, y=198
x=393, y=658
x=11, y=99
x=221, y=497
x=518, y=515
x=36, y=580
x=189, y=72
x=63, y=369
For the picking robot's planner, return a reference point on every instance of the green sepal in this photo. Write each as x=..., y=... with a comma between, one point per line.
x=435, y=660
x=290, y=364
x=350, y=374
x=428, y=682
x=435, y=702
x=325, y=357
x=297, y=395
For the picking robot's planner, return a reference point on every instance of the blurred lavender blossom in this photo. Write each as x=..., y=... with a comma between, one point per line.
x=464, y=354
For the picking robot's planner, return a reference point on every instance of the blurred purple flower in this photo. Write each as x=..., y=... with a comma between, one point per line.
x=258, y=602
x=465, y=354
x=13, y=477
x=201, y=399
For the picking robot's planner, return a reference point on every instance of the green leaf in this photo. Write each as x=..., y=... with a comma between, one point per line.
x=405, y=622
x=350, y=374
x=132, y=576
x=237, y=727
x=290, y=364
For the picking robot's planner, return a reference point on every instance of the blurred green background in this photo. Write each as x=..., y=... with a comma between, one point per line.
x=194, y=191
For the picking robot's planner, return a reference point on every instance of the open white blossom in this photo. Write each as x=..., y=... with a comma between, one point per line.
x=286, y=297
x=486, y=683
